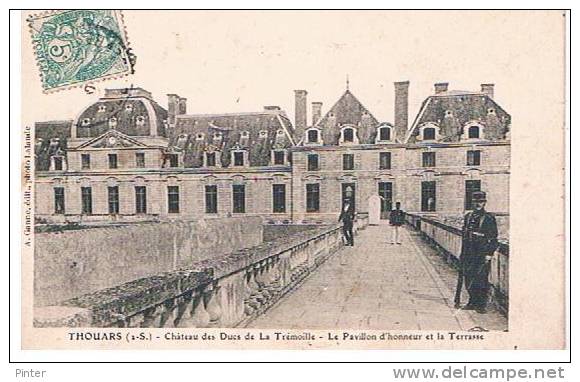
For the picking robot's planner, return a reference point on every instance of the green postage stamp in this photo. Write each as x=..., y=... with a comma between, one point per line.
x=76, y=47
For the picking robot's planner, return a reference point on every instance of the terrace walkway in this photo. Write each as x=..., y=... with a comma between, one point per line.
x=376, y=285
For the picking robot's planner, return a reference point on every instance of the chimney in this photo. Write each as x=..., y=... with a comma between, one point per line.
x=300, y=118
x=173, y=105
x=316, y=112
x=487, y=89
x=182, y=109
x=441, y=87
x=401, y=109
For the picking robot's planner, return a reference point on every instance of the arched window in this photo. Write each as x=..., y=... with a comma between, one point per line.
x=348, y=135
x=385, y=134
x=112, y=122
x=473, y=132
x=428, y=133
x=312, y=136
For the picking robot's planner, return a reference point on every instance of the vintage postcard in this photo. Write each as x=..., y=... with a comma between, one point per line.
x=293, y=180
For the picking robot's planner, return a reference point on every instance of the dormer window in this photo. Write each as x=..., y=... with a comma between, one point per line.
x=280, y=132
x=348, y=135
x=199, y=137
x=172, y=160
x=263, y=133
x=238, y=158
x=102, y=108
x=140, y=120
x=129, y=107
x=429, y=134
x=384, y=133
x=86, y=122
x=312, y=136
x=490, y=111
x=112, y=122
x=58, y=163
x=210, y=159
x=245, y=134
x=279, y=157
x=217, y=136
x=473, y=132
x=448, y=113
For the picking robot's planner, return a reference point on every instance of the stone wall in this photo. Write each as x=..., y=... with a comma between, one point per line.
x=73, y=263
x=225, y=291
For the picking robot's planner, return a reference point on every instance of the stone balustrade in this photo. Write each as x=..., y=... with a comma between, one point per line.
x=447, y=239
x=226, y=291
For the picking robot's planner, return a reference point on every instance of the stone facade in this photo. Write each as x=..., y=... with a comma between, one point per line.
x=125, y=158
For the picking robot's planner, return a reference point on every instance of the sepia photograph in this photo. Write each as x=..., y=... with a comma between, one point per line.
x=308, y=179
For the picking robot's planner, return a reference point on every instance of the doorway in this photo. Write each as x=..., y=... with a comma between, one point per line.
x=386, y=194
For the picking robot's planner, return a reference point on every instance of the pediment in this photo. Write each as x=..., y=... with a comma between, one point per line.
x=112, y=139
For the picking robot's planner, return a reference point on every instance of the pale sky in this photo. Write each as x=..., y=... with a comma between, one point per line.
x=241, y=61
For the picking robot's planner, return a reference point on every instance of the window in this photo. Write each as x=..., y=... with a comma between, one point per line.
x=471, y=186
x=348, y=161
x=113, y=198
x=279, y=198
x=85, y=122
x=239, y=198
x=210, y=159
x=87, y=200
x=140, y=199
x=173, y=199
x=112, y=122
x=429, y=159
x=428, y=133
x=85, y=161
x=129, y=107
x=312, y=197
x=473, y=132
x=173, y=160
x=112, y=160
x=312, y=162
x=140, y=160
x=384, y=161
x=386, y=194
x=385, y=134
x=279, y=157
x=57, y=163
x=238, y=158
x=102, y=108
x=428, y=196
x=312, y=136
x=211, y=199
x=59, y=200
x=140, y=120
x=473, y=157
x=348, y=135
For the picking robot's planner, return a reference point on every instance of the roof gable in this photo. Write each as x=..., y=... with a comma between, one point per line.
x=112, y=139
x=348, y=110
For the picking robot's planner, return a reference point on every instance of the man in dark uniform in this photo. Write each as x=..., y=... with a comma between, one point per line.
x=477, y=247
x=396, y=220
x=347, y=219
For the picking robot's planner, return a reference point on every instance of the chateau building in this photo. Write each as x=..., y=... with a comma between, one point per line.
x=126, y=158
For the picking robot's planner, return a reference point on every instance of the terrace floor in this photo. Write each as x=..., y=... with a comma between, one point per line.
x=377, y=285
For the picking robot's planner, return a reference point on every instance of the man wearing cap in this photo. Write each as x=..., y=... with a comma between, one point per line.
x=479, y=242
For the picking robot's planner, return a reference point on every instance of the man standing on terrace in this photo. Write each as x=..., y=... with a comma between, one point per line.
x=396, y=220
x=479, y=242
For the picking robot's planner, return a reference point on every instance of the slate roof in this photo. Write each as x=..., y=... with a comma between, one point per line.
x=126, y=119
x=50, y=138
x=257, y=132
x=464, y=107
x=348, y=110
